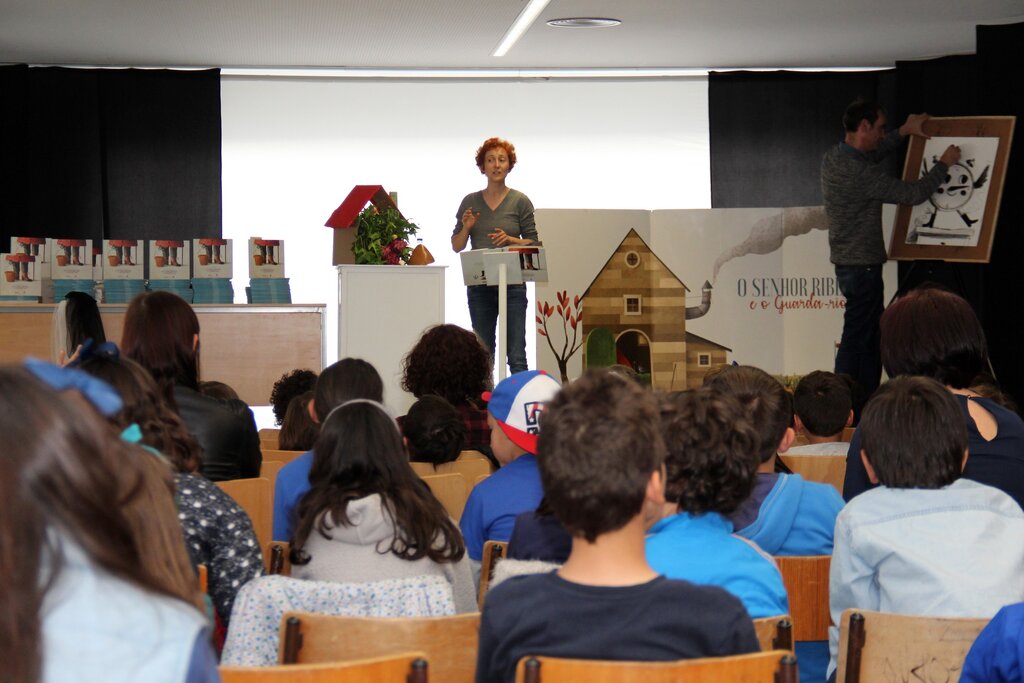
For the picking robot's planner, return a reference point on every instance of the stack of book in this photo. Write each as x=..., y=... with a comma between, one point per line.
x=212, y=291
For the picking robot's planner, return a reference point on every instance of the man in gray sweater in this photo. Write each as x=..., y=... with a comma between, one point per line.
x=854, y=185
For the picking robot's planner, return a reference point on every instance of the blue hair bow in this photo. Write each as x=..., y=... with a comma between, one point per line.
x=100, y=394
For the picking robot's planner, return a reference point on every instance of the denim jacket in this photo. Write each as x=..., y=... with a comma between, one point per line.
x=957, y=551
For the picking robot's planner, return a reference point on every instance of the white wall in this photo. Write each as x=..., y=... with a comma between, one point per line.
x=292, y=149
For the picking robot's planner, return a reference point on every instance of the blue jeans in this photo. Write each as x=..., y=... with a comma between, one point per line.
x=859, y=354
x=483, y=311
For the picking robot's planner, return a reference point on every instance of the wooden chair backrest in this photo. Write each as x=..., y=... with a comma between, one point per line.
x=776, y=666
x=269, y=438
x=275, y=557
x=451, y=490
x=806, y=581
x=470, y=469
x=201, y=577
x=774, y=633
x=269, y=470
x=450, y=643
x=480, y=479
x=492, y=554
x=279, y=455
x=408, y=667
x=826, y=469
x=255, y=496
x=876, y=646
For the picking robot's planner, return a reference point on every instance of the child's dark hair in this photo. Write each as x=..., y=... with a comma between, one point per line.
x=298, y=431
x=596, y=453
x=712, y=451
x=360, y=453
x=218, y=390
x=289, y=386
x=435, y=431
x=769, y=407
x=823, y=402
x=914, y=434
x=343, y=381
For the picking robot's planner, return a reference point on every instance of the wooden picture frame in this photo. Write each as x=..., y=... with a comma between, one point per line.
x=958, y=223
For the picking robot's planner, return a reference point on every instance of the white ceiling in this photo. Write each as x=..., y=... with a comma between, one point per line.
x=409, y=34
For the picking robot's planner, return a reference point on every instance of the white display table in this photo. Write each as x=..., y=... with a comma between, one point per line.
x=382, y=311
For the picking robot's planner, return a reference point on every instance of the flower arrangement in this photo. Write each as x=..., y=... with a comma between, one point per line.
x=382, y=237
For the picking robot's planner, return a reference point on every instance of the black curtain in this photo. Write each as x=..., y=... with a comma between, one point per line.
x=769, y=130
x=750, y=113
x=110, y=153
x=1001, y=92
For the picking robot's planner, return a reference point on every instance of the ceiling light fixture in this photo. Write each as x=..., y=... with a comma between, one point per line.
x=584, y=22
x=522, y=22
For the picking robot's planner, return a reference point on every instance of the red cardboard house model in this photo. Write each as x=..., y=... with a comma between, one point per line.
x=346, y=215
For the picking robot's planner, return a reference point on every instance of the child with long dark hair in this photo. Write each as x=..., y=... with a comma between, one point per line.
x=97, y=580
x=218, y=533
x=368, y=516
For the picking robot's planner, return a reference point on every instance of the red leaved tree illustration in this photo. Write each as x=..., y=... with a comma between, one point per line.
x=571, y=313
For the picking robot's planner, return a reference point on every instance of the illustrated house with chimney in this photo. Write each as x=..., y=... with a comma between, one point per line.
x=635, y=314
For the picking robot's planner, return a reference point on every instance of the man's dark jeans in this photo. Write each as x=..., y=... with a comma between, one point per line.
x=859, y=354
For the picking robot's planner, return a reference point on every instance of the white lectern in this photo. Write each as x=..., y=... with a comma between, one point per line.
x=504, y=267
x=382, y=311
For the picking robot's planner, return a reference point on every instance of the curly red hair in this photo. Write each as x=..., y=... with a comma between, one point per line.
x=491, y=143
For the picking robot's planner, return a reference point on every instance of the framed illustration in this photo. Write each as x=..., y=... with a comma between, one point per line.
x=958, y=222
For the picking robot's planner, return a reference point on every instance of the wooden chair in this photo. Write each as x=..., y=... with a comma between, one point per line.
x=276, y=558
x=826, y=469
x=201, y=577
x=806, y=581
x=470, y=469
x=269, y=438
x=876, y=646
x=774, y=633
x=776, y=666
x=255, y=496
x=451, y=490
x=269, y=470
x=480, y=479
x=408, y=667
x=492, y=554
x=450, y=643
x=281, y=456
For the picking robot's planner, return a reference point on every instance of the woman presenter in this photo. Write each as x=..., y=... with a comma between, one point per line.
x=497, y=216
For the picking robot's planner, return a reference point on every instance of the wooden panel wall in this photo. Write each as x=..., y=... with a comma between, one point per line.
x=246, y=347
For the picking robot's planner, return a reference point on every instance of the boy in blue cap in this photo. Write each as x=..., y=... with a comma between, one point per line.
x=514, y=411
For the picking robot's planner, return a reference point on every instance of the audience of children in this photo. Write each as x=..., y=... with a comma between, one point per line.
x=927, y=540
x=161, y=333
x=451, y=362
x=218, y=533
x=434, y=431
x=935, y=333
x=824, y=408
x=514, y=413
x=367, y=516
x=606, y=601
x=940, y=532
x=97, y=581
x=711, y=466
x=285, y=389
x=785, y=515
x=348, y=379
x=299, y=430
